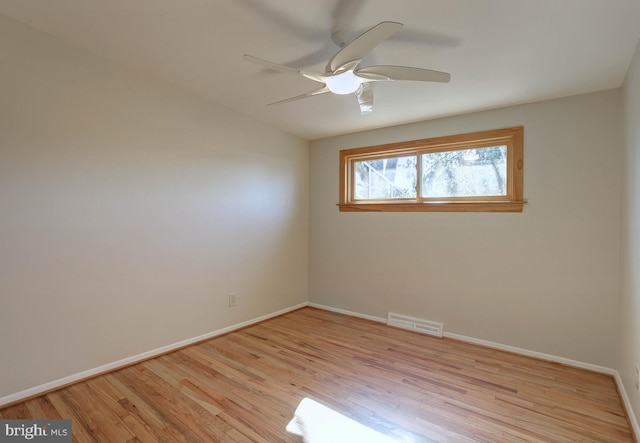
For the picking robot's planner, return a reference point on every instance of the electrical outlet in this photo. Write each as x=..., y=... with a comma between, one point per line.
x=638, y=378
x=232, y=300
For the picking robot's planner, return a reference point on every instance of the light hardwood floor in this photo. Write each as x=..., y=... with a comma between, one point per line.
x=244, y=387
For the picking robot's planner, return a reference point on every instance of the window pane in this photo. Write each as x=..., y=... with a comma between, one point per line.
x=385, y=178
x=465, y=173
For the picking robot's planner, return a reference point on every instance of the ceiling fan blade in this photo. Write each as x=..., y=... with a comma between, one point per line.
x=322, y=90
x=283, y=68
x=388, y=72
x=270, y=65
x=360, y=46
x=365, y=98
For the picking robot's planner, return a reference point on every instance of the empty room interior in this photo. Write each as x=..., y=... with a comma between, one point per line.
x=205, y=237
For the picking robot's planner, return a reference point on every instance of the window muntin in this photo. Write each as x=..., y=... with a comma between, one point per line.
x=481, y=171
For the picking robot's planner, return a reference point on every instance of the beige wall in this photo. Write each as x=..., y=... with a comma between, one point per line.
x=629, y=350
x=129, y=210
x=544, y=280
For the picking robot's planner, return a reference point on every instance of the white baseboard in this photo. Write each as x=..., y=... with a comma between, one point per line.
x=488, y=344
x=55, y=384
x=46, y=387
x=540, y=355
x=535, y=354
x=627, y=405
x=350, y=313
x=554, y=358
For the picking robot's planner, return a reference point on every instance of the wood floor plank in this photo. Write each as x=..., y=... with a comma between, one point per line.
x=150, y=414
x=245, y=385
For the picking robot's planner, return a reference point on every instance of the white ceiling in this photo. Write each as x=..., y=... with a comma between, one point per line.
x=499, y=52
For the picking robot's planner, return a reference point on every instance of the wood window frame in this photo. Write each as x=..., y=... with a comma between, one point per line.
x=511, y=202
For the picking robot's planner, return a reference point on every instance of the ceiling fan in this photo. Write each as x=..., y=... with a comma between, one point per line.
x=343, y=75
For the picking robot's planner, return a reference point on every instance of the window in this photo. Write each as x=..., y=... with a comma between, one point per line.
x=481, y=171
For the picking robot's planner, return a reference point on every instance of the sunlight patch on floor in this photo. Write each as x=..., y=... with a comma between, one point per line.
x=317, y=423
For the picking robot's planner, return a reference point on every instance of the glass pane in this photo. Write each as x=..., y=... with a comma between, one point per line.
x=465, y=173
x=385, y=178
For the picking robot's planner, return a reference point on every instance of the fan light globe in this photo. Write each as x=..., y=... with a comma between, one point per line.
x=343, y=83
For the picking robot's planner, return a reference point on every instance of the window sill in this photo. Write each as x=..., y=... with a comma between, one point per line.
x=460, y=206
